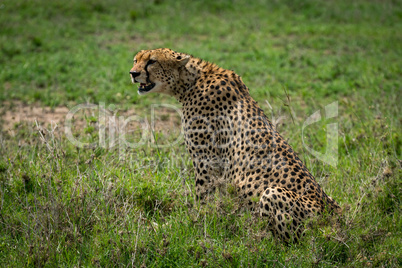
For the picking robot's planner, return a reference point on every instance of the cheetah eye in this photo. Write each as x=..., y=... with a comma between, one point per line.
x=151, y=62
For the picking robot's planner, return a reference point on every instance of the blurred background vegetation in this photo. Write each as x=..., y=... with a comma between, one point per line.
x=56, y=52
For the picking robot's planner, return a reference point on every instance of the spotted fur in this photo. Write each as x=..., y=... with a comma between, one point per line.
x=229, y=137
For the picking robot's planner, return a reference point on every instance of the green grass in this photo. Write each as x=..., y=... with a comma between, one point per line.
x=66, y=206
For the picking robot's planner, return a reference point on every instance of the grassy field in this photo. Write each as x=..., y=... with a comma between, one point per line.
x=63, y=205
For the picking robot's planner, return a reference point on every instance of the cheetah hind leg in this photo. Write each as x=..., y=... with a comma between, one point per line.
x=286, y=213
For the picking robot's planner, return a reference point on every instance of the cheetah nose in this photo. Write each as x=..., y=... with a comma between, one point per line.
x=134, y=74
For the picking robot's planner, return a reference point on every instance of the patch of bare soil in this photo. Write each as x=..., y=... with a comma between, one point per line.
x=84, y=119
x=13, y=114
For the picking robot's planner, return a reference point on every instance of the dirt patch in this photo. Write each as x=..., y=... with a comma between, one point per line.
x=13, y=114
x=89, y=118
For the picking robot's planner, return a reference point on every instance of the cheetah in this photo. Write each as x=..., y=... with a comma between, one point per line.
x=228, y=136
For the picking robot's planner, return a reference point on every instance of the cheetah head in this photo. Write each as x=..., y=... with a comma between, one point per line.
x=158, y=70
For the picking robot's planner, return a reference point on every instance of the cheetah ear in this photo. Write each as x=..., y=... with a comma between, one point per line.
x=182, y=60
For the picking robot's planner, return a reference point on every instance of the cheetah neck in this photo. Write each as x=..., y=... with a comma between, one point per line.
x=191, y=73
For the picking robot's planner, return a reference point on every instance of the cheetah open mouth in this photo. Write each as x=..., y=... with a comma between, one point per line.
x=145, y=87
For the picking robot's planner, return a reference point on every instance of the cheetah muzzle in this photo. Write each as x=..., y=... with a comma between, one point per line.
x=231, y=140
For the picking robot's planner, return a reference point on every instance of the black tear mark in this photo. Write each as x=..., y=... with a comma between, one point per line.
x=146, y=71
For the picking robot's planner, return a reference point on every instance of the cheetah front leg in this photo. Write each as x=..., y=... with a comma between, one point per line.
x=286, y=211
x=207, y=173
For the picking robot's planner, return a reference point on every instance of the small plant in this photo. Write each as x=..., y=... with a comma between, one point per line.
x=133, y=15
